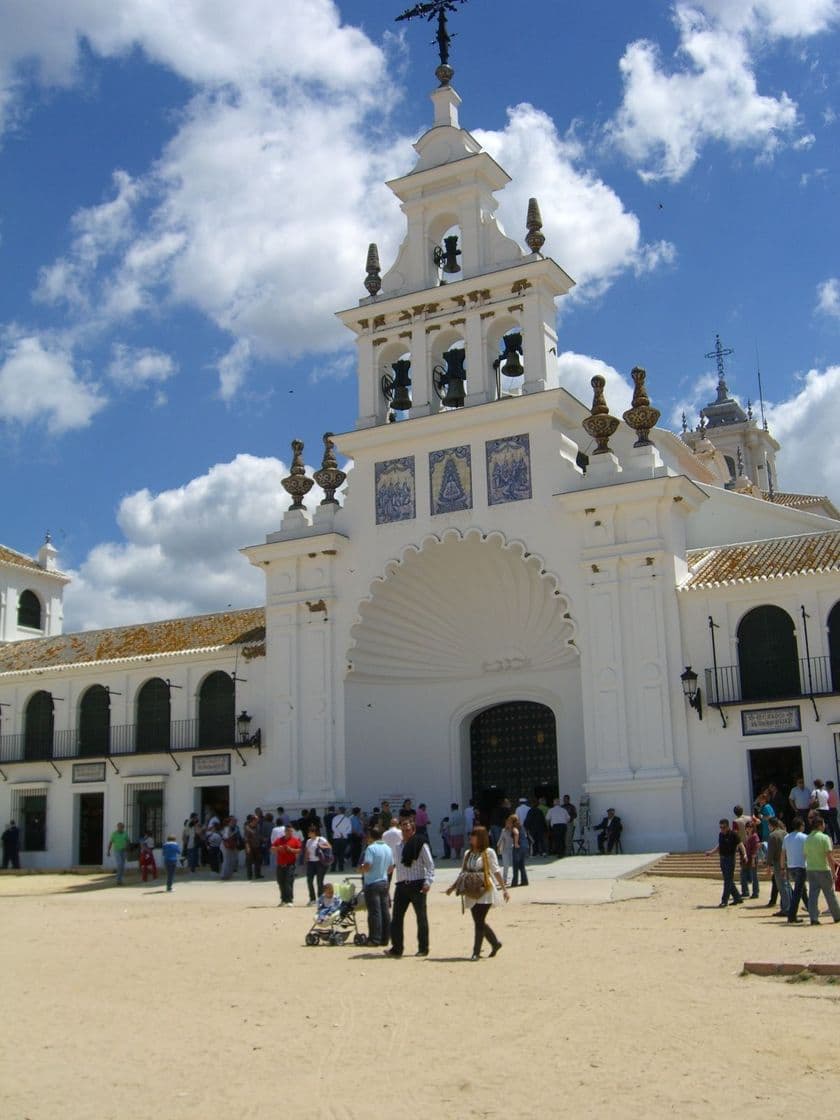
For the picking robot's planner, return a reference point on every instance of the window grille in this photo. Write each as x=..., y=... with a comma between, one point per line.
x=29, y=811
x=143, y=810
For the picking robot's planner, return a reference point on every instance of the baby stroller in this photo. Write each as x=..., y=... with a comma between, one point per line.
x=336, y=929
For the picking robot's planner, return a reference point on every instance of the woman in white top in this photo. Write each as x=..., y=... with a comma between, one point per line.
x=480, y=857
x=316, y=862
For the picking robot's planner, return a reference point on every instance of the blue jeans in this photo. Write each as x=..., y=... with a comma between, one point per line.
x=286, y=882
x=378, y=913
x=797, y=875
x=192, y=857
x=727, y=870
x=749, y=878
x=783, y=887
x=119, y=860
x=520, y=875
x=170, y=866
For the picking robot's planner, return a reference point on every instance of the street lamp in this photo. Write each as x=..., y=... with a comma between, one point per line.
x=243, y=722
x=692, y=693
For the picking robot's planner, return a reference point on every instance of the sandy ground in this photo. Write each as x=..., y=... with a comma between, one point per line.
x=133, y=1002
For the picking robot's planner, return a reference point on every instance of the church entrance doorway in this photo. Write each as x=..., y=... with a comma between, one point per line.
x=214, y=802
x=513, y=754
x=91, y=820
x=779, y=765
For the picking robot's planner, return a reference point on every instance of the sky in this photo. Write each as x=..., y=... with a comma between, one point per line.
x=187, y=193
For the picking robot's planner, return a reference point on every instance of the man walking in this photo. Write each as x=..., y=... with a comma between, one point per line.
x=775, y=860
x=378, y=860
x=119, y=845
x=415, y=874
x=727, y=846
x=11, y=846
x=820, y=867
x=570, y=827
x=794, y=848
x=286, y=849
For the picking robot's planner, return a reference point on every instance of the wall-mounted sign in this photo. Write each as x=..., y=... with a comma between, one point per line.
x=88, y=771
x=208, y=765
x=763, y=721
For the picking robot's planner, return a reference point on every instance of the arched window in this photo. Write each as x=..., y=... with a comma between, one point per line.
x=29, y=611
x=768, y=659
x=153, y=717
x=39, y=725
x=834, y=646
x=95, y=722
x=217, y=711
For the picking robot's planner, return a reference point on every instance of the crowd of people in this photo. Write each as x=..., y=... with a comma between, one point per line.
x=794, y=838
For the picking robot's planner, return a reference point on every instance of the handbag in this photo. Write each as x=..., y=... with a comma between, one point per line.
x=470, y=884
x=325, y=856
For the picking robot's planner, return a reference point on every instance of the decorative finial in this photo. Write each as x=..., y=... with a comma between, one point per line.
x=701, y=427
x=533, y=223
x=739, y=456
x=437, y=9
x=48, y=537
x=329, y=477
x=684, y=422
x=373, y=281
x=296, y=484
x=641, y=417
x=749, y=409
x=599, y=424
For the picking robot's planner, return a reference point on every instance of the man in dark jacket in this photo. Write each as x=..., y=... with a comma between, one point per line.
x=609, y=832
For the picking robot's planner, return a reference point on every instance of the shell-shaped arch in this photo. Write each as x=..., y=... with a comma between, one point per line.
x=462, y=606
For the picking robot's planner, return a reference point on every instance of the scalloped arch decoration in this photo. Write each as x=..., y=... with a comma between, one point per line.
x=462, y=607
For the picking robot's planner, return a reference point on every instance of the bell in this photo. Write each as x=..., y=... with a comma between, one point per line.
x=455, y=378
x=455, y=395
x=401, y=401
x=513, y=348
x=447, y=257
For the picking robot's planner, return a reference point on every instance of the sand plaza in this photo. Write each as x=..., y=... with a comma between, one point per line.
x=615, y=989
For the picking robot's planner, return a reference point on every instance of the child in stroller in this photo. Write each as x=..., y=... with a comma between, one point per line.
x=335, y=917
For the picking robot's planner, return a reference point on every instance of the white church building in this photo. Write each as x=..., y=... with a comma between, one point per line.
x=519, y=594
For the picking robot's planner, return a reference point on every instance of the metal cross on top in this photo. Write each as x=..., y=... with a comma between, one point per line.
x=719, y=353
x=432, y=9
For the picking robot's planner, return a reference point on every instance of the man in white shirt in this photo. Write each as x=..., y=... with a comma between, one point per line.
x=469, y=819
x=793, y=847
x=341, y=829
x=800, y=799
x=558, y=819
x=522, y=811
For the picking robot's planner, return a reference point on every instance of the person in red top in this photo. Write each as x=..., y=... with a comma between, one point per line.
x=286, y=850
x=749, y=860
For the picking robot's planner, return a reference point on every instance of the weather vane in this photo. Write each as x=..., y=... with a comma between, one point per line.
x=444, y=73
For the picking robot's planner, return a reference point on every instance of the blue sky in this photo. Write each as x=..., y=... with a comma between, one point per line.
x=188, y=191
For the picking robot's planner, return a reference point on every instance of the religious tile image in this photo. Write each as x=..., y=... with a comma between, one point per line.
x=508, y=469
x=450, y=479
x=395, y=493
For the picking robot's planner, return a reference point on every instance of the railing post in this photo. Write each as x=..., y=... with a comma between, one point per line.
x=712, y=627
x=808, y=659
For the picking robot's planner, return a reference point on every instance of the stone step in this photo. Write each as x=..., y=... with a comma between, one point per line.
x=697, y=865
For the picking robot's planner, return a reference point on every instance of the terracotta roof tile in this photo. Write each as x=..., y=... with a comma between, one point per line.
x=759, y=560
x=12, y=556
x=175, y=635
x=805, y=502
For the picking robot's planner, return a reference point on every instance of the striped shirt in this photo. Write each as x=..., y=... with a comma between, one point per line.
x=423, y=868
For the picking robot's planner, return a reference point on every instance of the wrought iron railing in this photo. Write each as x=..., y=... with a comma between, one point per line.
x=770, y=680
x=117, y=740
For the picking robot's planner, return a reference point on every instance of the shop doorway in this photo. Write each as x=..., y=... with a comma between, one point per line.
x=91, y=825
x=779, y=765
x=213, y=801
x=513, y=754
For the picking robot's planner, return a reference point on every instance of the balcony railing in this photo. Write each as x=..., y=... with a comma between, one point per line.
x=816, y=677
x=118, y=740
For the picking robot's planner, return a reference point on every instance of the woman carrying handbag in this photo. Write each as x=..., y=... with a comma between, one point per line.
x=478, y=885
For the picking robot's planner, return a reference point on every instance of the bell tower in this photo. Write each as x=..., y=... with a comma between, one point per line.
x=464, y=315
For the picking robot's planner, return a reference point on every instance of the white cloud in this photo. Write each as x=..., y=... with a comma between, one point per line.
x=587, y=229
x=136, y=367
x=828, y=297
x=233, y=368
x=179, y=553
x=576, y=373
x=711, y=94
x=807, y=421
x=39, y=385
